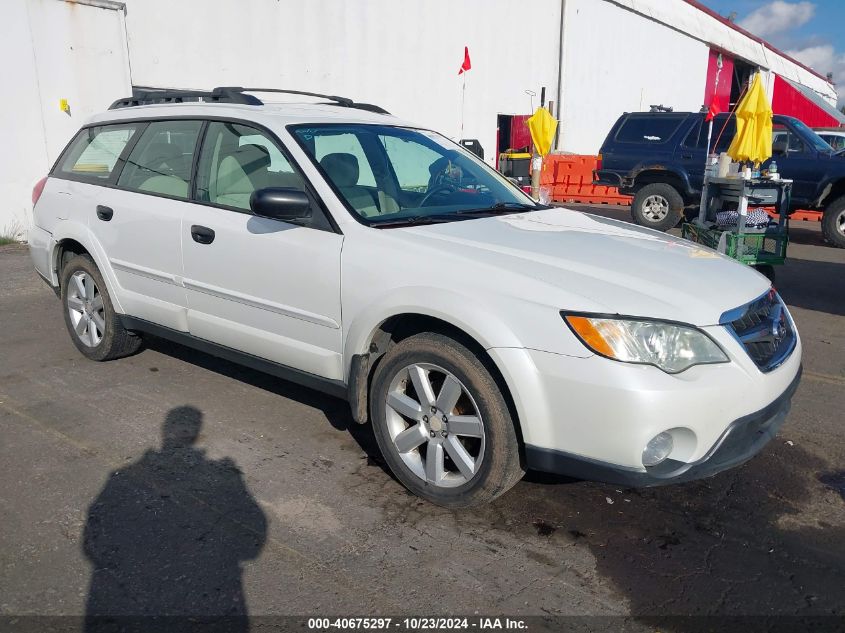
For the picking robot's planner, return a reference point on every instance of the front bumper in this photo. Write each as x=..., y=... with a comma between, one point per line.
x=743, y=439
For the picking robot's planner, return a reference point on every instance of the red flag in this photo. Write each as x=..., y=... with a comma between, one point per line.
x=466, y=65
x=714, y=109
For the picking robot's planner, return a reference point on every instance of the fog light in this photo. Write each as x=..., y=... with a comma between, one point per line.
x=657, y=449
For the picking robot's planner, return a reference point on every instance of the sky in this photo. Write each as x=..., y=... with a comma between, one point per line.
x=811, y=31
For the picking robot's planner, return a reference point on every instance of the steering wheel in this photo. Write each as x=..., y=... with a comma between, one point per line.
x=434, y=191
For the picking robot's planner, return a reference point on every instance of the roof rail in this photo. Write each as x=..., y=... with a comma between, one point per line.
x=226, y=94
x=142, y=95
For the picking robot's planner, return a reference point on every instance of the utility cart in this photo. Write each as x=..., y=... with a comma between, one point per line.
x=722, y=199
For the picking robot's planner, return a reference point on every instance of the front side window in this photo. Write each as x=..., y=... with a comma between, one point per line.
x=785, y=139
x=393, y=174
x=237, y=160
x=161, y=160
x=93, y=154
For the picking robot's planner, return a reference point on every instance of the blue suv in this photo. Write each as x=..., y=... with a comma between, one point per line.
x=659, y=158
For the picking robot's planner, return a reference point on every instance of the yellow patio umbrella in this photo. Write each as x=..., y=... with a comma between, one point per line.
x=753, y=140
x=542, y=126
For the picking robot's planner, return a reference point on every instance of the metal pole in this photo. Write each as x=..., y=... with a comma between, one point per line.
x=463, y=101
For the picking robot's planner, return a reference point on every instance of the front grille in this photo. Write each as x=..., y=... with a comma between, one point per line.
x=764, y=329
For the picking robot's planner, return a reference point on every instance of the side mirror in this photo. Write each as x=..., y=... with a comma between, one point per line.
x=280, y=203
x=779, y=148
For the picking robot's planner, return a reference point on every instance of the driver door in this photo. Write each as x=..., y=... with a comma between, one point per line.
x=798, y=163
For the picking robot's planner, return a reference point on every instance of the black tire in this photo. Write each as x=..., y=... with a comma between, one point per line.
x=499, y=468
x=645, y=217
x=833, y=223
x=114, y=341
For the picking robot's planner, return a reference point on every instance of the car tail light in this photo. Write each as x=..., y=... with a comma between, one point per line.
x=598, y=162
x=526, y=189
x=38, y=189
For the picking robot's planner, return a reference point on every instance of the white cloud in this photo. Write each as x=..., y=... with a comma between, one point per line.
x=824, y=59
x=778, y=16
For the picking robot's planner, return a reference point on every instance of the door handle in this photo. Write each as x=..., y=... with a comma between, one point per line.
x=104, y=213
x=202, y=234
x=686, y=156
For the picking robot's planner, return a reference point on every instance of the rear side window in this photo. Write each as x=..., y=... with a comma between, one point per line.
x=161, y=160
x=721, y=136
x=93, y=154
x=651, y=129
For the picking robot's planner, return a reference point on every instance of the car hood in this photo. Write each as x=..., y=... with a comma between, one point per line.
x=582, y=262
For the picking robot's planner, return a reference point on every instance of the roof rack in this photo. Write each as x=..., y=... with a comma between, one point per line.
x=226, y=94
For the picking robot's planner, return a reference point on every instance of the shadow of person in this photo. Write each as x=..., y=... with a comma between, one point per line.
x=167, y=536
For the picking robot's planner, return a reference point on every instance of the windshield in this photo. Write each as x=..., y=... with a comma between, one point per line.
x=391, y=175
x=816, y=141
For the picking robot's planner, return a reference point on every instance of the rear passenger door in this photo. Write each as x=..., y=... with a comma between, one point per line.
x=692, y=152
x=265, y=287
x=138, y=222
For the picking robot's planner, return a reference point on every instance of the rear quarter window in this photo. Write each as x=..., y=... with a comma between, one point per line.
x=652, y=129
x=94, y=152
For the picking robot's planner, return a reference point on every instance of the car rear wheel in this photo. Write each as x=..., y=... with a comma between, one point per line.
x=442, y=423
x=657, y=206
x=833, y=223
x=93, y=325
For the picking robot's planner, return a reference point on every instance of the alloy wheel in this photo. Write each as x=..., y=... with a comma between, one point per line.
x=86, y=309
x=655, y=208
x=435, y=425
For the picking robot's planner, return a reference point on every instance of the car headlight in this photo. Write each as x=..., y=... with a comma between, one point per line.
x=673, y=347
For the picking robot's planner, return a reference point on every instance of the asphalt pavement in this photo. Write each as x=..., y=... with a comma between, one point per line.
x=172, y=482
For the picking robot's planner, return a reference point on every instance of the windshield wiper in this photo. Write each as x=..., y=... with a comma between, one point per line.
x=503, y=207
x=415, y=220
x=466, y=214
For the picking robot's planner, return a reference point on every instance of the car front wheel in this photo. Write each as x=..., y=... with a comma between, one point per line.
x=442, y=423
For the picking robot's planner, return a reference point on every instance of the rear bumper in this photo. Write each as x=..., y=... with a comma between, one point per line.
x=740, y=441
x=606, y=178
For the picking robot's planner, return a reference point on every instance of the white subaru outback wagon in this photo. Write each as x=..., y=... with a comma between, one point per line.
x=334, y=245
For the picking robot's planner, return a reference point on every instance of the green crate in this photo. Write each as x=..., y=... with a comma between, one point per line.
x=748, y=248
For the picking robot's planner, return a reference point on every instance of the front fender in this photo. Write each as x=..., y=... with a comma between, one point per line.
x=477, y=319
x=73, y=230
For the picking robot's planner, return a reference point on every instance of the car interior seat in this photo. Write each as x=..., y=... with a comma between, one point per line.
x=162, y=168
x=342, y=169
x=240, y=173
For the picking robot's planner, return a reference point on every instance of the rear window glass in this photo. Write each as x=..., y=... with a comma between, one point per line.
x=94, y=152
x=652, y=129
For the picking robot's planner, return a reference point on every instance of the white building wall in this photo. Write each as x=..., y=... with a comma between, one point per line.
x=52, y=50
x=401, y=55
x=617, y=61
x=20, y=120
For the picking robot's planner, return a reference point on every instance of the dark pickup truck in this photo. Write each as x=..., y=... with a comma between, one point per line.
x=659, y=158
